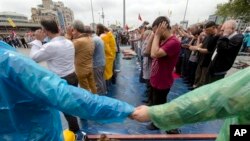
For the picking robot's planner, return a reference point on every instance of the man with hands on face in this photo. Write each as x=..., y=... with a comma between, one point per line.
x=59, y=54
x=226, y=51
x=165, y=49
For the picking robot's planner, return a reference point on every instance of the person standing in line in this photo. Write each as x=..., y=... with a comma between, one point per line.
x=226, y=51
x=59, y=54
x=165, y=50
x=110, y=51
x=99, y=64
x=84, y=50
x=205, y=50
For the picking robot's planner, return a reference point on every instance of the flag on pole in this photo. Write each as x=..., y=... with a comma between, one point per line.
x=126, y=27
x=11, y=22
x=13, y=33
x=139, y=17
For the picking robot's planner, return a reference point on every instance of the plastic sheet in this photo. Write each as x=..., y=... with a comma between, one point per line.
x=30, y=97
x=228, y=99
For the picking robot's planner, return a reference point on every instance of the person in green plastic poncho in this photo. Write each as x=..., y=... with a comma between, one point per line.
x=227, y=99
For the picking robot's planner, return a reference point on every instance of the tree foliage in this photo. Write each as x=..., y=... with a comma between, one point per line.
x=237, y=9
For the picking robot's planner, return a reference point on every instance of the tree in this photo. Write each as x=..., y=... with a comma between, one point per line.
x=237, y=9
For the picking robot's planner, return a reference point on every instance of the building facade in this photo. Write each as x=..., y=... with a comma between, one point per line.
x=20, y=22
x=56, y=10
x=241, y=25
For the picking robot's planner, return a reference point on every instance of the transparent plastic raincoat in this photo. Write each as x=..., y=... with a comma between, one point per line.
x=227, y=99
x=31, y=98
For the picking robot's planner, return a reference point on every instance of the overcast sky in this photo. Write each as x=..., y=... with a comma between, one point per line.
x=198, y=10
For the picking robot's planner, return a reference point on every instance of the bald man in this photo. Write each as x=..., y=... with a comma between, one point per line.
x=226, y=51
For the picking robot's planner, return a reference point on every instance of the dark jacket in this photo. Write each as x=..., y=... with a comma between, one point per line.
x=227, y=51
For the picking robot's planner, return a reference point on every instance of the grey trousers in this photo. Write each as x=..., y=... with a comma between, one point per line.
x=99, y=79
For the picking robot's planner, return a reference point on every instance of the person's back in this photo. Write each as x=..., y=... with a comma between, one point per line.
x=62, y=56
x=84, y=50
x=99, y=56
x=99, y=65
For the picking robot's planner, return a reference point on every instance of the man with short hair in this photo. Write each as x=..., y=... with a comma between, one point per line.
x=205, y=49
x=164, y=51
x=84, y=50
x=59, y=54
x=226, y=52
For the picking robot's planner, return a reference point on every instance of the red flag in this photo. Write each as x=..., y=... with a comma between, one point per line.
x=139, y=17
x=126, y=27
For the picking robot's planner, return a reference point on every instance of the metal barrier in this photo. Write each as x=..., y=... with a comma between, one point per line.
x=158, y=137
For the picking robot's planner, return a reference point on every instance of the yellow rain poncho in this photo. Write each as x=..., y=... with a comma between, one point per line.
x=110, y=53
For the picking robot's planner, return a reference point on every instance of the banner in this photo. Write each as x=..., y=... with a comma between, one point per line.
x=11, y=22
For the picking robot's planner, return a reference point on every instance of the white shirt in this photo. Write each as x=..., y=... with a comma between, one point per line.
x=59, y=54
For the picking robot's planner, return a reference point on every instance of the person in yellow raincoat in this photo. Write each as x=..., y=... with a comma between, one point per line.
x=109, y=48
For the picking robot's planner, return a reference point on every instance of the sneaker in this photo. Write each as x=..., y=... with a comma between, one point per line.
x=80, y=136
x=173, y=131
x=117, y=71
x=151, y=126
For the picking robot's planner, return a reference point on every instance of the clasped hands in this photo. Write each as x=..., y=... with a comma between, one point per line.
x=141, y=114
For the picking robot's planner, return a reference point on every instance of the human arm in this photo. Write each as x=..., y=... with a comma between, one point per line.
x=148, y=46
x=46, y=87
x=229, y=97
x=199, y=49
x=40, y=52
x=156, y=51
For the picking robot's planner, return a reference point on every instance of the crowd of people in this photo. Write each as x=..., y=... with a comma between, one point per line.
x=207, y=52
x=201, y=54
x=17, y=41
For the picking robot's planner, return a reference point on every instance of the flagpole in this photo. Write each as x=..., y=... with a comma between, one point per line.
x=124, y=13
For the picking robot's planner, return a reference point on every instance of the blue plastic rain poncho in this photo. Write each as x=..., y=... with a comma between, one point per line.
x=227, y=99
x=31, y=98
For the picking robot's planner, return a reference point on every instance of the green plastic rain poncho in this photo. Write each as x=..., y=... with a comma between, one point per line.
x=227, y=99
x=31, y=98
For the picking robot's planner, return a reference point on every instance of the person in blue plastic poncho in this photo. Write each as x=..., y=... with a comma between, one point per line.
x=31, y=98
x=227, y=99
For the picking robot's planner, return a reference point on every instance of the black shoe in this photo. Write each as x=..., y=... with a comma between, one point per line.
x=186, y=82
x=145, y=101
x=173, y=131
x=191, y=88
x=151, y=126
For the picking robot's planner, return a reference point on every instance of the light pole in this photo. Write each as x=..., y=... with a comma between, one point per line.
x=92, y=14
x=185, y=12
x=102, y=16
x=99, y=13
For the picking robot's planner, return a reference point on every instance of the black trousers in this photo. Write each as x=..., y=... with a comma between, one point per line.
x=158, y=96
x=72, y=121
